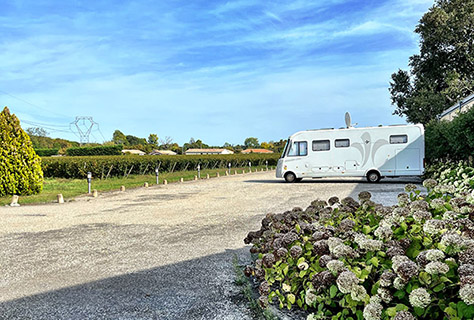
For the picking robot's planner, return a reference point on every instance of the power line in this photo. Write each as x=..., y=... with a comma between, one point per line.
x=44, y=124
x=31, y=104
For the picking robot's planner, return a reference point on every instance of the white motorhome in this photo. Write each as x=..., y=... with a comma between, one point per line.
x=372, y=152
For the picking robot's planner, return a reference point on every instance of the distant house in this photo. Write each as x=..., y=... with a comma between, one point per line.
x=133, y=151
x=461, y=106
x=162, y=153
x=207, y=151
x=246, y=151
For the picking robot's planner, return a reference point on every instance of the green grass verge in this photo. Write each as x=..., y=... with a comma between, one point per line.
x=71, y=188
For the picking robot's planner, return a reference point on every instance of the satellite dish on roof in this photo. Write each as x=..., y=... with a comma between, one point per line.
x=348, y=120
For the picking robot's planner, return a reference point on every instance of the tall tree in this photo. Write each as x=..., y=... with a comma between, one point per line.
x=20, y=167
x=119, y=138
x=153, y=140
x=443, y=72
x=251, y=142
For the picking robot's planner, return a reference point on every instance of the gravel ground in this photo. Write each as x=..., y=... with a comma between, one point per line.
x=164, y=252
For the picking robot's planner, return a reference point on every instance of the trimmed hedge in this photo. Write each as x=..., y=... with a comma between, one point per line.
x=95, y=151
x=119, y=166
x=450, y=140
x=46, y=152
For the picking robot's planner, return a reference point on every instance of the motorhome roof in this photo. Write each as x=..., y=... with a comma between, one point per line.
x=361, y=128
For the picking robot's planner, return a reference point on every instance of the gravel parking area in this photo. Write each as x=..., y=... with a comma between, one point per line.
x=163, y=252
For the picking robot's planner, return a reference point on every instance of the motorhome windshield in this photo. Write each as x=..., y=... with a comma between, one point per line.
x=285, y=149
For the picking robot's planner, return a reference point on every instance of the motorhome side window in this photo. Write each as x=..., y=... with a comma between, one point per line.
x=397, y=139
x=342, y=143
x=321, y=145
x=298, y=148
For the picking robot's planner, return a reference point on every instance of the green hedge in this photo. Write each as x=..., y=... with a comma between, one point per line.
x=118, y=166
x=46, y=152
x=450, y=140
x=95, y=151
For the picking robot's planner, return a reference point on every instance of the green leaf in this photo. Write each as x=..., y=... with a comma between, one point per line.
x=465, y=311
x=391, y=312
x=298, y=228
x=439, y=287
x=450, y=312
x=374, y=261
x=333, y=291
x=424, y=277
x=419, y=311
x=366, y=229
x=291, y=298
x=400, y=294
x=299, y=302
x=401, y=307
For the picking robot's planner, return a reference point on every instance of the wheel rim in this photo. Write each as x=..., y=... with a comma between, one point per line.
x=373, y=177
x=290, y=177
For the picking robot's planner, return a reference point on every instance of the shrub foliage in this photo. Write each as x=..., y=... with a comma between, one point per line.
x=20, y=166
x=116, y=166
x=457, y=175
x=360, y=260
x=95, y=151
x=453, y=140
x=46, y=152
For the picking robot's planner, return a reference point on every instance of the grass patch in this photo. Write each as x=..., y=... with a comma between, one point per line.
x=71, y=188
x=249, y=293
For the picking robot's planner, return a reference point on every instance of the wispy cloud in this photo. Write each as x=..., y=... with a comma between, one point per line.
x=218, y=71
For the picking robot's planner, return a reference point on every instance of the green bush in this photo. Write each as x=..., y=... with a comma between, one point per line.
x=20, y=167
x=360, y=260
x=95, y=151
x=119, y=166
x=44, y=152
x=458, y=176
x=450, y=140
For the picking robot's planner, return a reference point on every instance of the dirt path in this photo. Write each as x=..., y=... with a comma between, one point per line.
x=159, y=253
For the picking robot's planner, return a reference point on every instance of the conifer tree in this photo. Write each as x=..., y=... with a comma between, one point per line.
x=20, y=166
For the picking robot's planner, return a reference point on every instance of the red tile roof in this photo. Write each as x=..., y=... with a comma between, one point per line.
x=257, y=151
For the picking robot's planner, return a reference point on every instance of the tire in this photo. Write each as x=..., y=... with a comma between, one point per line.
x=373, y=176
x=290, y=177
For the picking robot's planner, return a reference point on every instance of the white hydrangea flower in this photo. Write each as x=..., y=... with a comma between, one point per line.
x=437, y=204
x=358, y=293
x=334, y=242
x=452, y=239
x=448, y=215
x=383, y=232
x=344, y=250
x=467, y=294
x=346, y=281
x=375, y=299
x=434, y=255
x=373, y=311
x=436, y=267
x=433, y=226
x=399, y=284
x=335, y=266
x=310, y=296
x=384, y=294
x=420, y=298
x=397, y=261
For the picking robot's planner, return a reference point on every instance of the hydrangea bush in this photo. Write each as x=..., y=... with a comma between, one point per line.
x=348, y=259
x=458, y=176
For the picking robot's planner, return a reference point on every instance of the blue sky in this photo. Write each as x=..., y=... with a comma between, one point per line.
x=219, y=71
